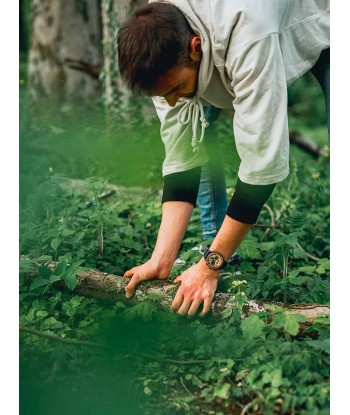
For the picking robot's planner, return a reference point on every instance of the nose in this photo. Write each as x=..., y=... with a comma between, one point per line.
x=172, y=99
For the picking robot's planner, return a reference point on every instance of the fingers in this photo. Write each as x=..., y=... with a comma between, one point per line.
x=206, y=306
x=130, y=273
x=194, y=307
x=188, y=304
x=130, y=288
x=177, y=300
x=184, y=307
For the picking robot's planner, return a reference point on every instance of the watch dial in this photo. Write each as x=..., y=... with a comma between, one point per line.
x=215, y=261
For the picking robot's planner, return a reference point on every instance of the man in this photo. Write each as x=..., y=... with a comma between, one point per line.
x=190, y=54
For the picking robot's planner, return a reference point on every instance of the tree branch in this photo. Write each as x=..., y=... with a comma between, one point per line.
x=109, y=287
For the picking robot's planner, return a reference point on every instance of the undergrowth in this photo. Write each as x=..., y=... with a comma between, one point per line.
x=154, y=362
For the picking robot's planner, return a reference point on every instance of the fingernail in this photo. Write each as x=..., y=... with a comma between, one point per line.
x=128, y=295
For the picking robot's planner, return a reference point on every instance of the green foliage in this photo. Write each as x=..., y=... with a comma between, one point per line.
x=158, y=363
x=260, y=360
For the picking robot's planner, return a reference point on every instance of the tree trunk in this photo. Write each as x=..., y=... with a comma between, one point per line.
x=63, y=31
x=109, y=287
x=116, y=95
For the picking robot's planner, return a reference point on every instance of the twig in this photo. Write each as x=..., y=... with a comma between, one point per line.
x=173, y=361
x=56, y=338
x=306, y=145
x=182, y=382
x=272, y=215
x=102, y=196
x=264, y=225
x=274, y=226
x=312, y=257
x=273, y=223
x=250, y=404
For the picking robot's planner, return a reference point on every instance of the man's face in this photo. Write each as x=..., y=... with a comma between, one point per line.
x=178, y=82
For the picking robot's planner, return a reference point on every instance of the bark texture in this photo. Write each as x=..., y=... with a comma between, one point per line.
x=117, y=96
x=109, y=287
x=63, y=31
x=113, y=14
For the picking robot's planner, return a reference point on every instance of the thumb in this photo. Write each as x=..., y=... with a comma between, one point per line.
x=177, y=280
x=130, y=288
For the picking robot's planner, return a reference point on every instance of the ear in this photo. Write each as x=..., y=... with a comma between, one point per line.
x=196, y=48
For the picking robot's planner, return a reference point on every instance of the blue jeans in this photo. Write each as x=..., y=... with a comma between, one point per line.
x=212, y=198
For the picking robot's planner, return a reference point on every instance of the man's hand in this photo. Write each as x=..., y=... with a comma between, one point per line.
x=198, y=284
x=147, y=271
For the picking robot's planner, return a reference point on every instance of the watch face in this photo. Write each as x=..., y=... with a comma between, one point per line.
x=215, y=260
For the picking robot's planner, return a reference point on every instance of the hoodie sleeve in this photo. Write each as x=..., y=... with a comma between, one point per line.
x=260, y=103
x=177, y=137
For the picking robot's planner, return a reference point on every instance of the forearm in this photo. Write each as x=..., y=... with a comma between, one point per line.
x=175, y=218
x=229, y=236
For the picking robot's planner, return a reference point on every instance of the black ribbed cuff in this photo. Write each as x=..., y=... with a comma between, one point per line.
x=182, y=186
x=247, y=201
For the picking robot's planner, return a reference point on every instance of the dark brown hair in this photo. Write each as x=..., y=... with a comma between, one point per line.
x=153, y=40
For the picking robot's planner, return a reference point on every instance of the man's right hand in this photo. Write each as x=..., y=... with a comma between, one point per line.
x=175, y=218
x=147, y=271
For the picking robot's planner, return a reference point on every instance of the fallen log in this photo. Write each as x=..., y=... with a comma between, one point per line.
x=110, y=287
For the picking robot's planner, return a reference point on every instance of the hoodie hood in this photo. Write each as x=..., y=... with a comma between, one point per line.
x=190, y=11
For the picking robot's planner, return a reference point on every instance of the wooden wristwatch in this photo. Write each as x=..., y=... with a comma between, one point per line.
x=214, y=259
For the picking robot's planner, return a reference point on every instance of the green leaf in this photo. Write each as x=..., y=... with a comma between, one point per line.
x=26, y=265
x=290, y=240
x=227, y=312
x=55, y=243
x=42, y=282
x=45, y=272
x=292, y=321
x=293, y=278
x=274, y=377
x=51, y=323
x=61, y=268
x=252, y=326
x=222, y=391
x=41, y=313
x=67, y=232
x=249, y=249
x=299, y=253
x=294, y=273
x=246, y=267
x=76, y=300
x=323, y=345
x=279, y=321
x=274, y=308
x=323, y=266
x=44, y=258
x=71, y=280
x=155, y=297
x=147, y=391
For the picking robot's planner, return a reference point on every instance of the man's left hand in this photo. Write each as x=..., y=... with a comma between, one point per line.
x=198, y=284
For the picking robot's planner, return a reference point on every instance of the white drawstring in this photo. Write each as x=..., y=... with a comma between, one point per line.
x=191, y=111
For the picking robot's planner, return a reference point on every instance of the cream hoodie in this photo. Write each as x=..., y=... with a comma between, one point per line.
x=252, y=50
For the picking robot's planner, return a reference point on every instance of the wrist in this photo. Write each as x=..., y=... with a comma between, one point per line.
x=162, y=263
x=212, y=273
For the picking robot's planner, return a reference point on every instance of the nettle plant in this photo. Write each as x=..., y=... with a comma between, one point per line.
x=258, y=364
